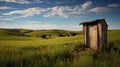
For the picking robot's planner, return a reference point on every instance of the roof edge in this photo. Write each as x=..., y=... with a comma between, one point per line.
x=97, y=20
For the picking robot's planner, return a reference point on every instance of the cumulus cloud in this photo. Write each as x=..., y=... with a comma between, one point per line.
x=17, y=1
x=67, y=11
x=5, y=7
x=113, y=5
x=86, y=4
x=62, y=11
x=55, y=11
x=26, y=12
x=100, y=9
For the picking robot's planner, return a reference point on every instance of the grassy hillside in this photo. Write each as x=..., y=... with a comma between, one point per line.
x=24, y=51
x=114, y=35
x=5, y=32
x=13, y=34
x=36, y=33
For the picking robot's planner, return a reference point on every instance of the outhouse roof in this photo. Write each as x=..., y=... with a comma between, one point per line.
x=94, y=21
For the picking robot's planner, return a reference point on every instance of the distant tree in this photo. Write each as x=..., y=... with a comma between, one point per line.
x=44, y=36
x=61, y=35
x=49, y=35
x=73, y=34
x=68, y=35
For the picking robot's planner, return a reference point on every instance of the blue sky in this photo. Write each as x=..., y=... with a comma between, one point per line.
x=57, y=14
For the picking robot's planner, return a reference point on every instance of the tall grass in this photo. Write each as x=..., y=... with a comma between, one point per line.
x=45, y=56
x=56, y=52
x=58, y=56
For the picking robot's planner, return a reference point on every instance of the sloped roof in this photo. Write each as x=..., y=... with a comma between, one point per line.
x=94, y=21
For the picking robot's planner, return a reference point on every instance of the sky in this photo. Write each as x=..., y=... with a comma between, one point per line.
x=57, y=14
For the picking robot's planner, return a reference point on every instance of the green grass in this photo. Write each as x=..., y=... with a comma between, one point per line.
x=36, y=52
x=8, y=33
x=24, y=51
x=35, y=33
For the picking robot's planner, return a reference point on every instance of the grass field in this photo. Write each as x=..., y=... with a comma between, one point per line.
x=21, y=48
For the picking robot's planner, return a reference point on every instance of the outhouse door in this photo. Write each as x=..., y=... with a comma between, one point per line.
x=93, y=36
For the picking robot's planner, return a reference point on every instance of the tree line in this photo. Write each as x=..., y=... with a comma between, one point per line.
x=44, y=36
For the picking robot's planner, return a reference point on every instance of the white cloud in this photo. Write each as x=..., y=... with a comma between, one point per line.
x=5, y=7
x=39, y=1
x=62, y=11
x=100, y=9
x=26, y=12
x=5, y=19
x=56, y=11
x=113, y=5
x=86, y=4
x=17, y=1
x=67, y=11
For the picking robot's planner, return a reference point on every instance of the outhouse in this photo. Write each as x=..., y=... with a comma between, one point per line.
x=95, y=33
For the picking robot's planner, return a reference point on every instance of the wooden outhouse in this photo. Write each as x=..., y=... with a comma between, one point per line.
x=95, y=33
